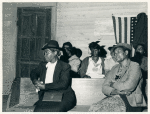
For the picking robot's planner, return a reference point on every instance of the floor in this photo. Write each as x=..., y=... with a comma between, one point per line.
x=4, y=105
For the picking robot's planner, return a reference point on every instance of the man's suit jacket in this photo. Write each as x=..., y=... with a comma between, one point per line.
x=61, y=78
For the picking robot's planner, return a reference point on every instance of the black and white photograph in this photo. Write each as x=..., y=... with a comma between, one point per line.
x=74, y=56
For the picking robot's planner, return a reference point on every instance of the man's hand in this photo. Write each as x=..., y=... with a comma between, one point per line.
x=126, y=92
x=41, y=86
x=117, y=92
x=38, y=84
x=114, y=92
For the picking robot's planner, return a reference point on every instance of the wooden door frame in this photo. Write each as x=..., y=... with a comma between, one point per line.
x=53, y=31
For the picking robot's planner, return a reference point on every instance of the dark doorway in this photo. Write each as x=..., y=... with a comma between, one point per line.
x=34, y=29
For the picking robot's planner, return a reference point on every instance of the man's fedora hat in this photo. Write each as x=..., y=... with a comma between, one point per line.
x=51, y=44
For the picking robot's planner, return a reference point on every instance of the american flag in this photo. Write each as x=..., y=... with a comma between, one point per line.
x=124, y=29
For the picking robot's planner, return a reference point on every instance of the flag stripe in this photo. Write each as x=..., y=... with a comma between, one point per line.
x=125, y=29
x=117, y=30
x=128, y=30
x=120, y=30
x=114, y=23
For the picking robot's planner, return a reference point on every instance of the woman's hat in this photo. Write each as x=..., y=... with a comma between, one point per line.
x=51, y=44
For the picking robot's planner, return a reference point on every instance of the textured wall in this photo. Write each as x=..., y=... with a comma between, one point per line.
x=82, y=23
x=79, y=23
x=10, y=40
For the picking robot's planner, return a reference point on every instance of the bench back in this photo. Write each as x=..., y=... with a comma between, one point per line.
x=28, y=94
x=22, y=92
x=88, y=91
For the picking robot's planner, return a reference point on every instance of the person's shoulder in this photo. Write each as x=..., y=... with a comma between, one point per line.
x=132, y=58
x=86, y=58
x=115, y=67
x=134, y=64
x=77, y=59
x=63, y=64
x=102, y=58
x=42, y=63
x=145, y=58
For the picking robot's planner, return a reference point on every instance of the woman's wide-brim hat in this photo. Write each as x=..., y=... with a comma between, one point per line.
x=51, y=44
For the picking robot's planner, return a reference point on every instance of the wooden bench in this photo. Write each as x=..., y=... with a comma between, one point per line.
x=88, y=91
x=23, y=94
x=22, y=97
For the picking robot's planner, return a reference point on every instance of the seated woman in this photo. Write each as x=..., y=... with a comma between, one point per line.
x=78, y=52
x=74, y=62
x=93, y=66
x=65, y=56
x=124, y=81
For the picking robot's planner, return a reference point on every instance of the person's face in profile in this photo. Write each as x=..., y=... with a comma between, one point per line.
x=140, y=49
x=49, y=55
x=66, y=47
x=94, y=52
x=120, y=55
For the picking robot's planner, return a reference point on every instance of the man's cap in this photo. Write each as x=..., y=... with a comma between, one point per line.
x=51, y=44
x=128, y=46
x=110, y=48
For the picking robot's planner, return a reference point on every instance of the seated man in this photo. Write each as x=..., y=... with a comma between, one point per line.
x=93, y=66
x=55, y=75
x=125, y=79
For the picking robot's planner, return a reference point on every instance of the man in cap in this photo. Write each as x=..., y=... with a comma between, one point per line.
x=125, y=78
x=55, y=77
